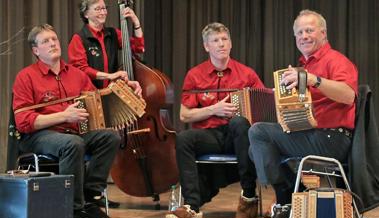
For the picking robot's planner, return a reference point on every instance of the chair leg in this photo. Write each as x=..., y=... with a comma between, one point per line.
x=105, y=193
x=260, y=201
x=180, y=196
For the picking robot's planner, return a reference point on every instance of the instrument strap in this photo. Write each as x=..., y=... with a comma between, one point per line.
x=44, y=104
x=210, y=90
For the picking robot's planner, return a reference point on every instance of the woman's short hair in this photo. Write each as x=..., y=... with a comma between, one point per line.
x=83, y=7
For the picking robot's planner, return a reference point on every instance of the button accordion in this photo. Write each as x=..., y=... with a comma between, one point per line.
x=322, y=204
x=114, y=107
x=293, y=107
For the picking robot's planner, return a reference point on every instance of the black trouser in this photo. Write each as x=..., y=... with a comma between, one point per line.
x=230, y=139
x=70, y=149
x=270, y=146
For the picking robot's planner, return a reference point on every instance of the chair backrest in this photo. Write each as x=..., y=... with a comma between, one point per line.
x=13, y=140
x=363, y=158
x=363, y=92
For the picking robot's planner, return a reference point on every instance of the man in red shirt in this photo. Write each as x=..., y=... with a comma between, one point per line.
x=215, y=130
x=53, y=129
x=94, y=49
x=333, y=82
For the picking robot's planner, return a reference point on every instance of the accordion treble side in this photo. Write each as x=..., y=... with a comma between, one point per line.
x=294, y=110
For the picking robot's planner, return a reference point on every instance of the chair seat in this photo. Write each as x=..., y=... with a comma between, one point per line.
x=42, y=159
x=46, y=159
x=217, y=158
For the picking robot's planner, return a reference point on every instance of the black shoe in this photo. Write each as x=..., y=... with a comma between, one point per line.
x=279, y=211
x=81, y=214
x=94, y=211
x=101, y=202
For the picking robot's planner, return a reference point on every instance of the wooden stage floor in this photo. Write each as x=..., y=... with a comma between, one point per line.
x=222, y=206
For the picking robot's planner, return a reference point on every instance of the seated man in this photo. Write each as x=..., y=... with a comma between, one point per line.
x=333, y=83
x=53, y=129
x=215, y=130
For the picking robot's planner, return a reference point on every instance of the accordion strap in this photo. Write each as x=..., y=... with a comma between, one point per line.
x=45, y=104
x=210, y=90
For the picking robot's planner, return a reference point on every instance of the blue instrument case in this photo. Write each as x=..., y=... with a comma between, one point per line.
x=38, y=195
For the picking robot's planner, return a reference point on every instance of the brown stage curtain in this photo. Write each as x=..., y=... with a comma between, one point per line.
x=261, y=33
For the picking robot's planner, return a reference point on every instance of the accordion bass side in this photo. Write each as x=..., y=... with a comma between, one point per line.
x=113, y=107
x=293, y=108
x=255, y=104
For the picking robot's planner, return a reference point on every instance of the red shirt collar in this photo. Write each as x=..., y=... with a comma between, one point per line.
x=211, y=68
x=97, y=33
x=45, y=69
x=317, y=55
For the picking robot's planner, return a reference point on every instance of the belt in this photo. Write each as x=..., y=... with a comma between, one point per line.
x=345, y=131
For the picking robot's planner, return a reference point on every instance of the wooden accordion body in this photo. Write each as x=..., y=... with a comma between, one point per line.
x=255, y=104
x=294, y=111
x=113, y=107
x=315, y=204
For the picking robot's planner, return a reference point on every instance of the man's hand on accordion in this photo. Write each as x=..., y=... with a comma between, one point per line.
x=224, y=108
x=289, y=78
x=73, y=114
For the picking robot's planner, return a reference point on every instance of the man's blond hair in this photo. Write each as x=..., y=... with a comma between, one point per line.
x=37, y=30
x=214, y=28
x=320, y=19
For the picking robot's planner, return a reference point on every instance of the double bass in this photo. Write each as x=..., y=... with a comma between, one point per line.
x=145, y=164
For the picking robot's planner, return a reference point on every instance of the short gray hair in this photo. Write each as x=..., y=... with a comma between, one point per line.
x=83, y=7
x=214, y=28
x=37, y=30
x=320, y=19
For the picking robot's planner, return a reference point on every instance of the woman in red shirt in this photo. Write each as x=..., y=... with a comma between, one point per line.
x=94, y=49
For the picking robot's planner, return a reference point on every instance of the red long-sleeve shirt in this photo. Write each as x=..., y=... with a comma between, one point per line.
x=77, y=53
x=204, y=76
x=37, y=84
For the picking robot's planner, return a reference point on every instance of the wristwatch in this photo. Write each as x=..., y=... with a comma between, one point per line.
x=318, y=82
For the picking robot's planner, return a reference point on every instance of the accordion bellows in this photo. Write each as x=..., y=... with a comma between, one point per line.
x=114, y=107
x=255, y=104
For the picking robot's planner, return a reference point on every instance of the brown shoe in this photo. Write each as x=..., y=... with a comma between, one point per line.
x=184, y=212
x=247, y=208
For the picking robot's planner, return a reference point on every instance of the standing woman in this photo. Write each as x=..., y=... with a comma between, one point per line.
x=94, y=49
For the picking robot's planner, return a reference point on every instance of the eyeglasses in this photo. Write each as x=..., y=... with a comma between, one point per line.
x=99, y=9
